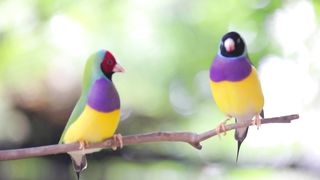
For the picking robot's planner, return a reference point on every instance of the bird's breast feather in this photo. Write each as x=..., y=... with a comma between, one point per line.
x=233, y=70
x=103, y=96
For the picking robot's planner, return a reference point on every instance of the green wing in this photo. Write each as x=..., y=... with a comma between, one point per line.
x=78, y=109
x=88, y=78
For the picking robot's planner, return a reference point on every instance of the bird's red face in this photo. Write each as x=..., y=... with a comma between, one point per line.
x=110, y=65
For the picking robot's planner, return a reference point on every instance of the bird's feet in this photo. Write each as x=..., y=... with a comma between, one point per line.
x=83, y=144
x=222, y=128
x=117, y=138
x=257, y=121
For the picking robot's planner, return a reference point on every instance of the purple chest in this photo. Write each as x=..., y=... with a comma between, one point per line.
x=103, y=96
x=229, y=70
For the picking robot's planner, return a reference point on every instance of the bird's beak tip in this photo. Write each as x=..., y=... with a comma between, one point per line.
x=118, y=68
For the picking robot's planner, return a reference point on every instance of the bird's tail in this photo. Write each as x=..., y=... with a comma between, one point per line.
x=79, y=162
x=240, y=135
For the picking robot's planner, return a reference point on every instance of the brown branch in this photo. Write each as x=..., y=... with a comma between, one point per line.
x=193, y=139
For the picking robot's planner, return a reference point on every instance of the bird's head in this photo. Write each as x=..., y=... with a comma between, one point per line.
x=109, y=64
x=232, y=45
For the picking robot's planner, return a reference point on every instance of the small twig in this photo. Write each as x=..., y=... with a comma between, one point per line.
x=193, y=139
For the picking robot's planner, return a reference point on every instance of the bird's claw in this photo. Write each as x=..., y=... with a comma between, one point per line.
x=117, y=138
x=83, y=144
x=257, y=121
x=222, y=128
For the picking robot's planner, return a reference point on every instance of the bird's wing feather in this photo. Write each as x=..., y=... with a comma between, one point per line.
x=87, y=81
x=75, y=114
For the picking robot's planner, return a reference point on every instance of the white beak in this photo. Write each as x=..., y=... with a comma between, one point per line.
x=118, y=68
x=229, y=45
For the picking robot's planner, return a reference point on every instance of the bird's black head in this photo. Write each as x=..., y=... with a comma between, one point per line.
x=232, y=45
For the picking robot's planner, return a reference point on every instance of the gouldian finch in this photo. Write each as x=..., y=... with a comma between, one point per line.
x=97, y=112
x=235, y=85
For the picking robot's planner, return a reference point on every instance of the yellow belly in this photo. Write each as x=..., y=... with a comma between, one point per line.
x=92, y=126
x=240, y=98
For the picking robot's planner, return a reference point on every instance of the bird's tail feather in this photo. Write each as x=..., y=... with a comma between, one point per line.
x=240, y=135
x=79, y=164
x=262, y=113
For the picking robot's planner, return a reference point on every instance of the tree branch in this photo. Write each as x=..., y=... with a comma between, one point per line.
x=193, y=139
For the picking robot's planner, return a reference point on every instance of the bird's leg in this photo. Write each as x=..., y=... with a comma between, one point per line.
x=83, y=144
x=117, y=138
x=257, y=121
x=222, y=128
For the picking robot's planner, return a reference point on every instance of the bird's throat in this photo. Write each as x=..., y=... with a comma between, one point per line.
x=108, y=75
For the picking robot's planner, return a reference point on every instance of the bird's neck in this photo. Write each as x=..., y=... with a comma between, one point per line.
x=241, y=57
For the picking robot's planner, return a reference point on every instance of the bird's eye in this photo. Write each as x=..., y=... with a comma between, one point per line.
x=109, y=62
x=238, y=40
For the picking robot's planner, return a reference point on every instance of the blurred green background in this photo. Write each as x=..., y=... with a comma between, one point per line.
x=166, y=47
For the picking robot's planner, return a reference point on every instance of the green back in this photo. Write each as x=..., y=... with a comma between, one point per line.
x=92, y=72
